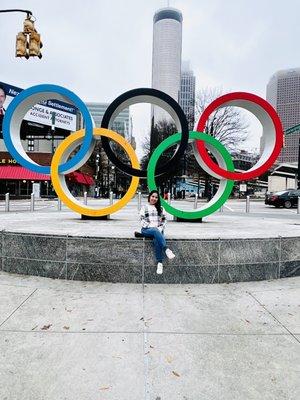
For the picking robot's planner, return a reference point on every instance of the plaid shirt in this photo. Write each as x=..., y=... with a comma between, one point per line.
x=151, y=219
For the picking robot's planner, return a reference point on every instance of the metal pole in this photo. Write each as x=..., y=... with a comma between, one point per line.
x=169, y=198
x=139, y=201
x=85, y=198
x=59, y=204
x=28, y=12
x=221, y=209
x=7, y=202
x=247, y=204
x=32, y=202
x=196, y=201
x=111, y=199
x=298, y=207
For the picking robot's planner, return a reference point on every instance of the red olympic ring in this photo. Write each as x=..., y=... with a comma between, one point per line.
x=267, y=114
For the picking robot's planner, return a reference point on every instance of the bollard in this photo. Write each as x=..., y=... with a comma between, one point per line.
x=196, y=201
x=85, y=198
x=247, y=204
x=298, y=207
x=59, y=204
x=32, y=202
x=111, y=199
x=139, y=201
x=169, y=198
x=7, y=202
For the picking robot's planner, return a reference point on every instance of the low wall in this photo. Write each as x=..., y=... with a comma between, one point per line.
x=132, y=260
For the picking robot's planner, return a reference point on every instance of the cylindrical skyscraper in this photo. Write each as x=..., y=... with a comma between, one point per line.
x=166, y=55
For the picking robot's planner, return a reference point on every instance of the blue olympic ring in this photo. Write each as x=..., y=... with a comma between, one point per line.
x=15, y=108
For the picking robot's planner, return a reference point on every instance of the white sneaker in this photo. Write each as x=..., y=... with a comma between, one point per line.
x=159, y=270
x=170, y=254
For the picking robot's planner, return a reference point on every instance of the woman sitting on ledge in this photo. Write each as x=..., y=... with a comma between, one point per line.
x=153, y=223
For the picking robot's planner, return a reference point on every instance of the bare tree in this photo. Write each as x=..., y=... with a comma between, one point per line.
x=160, y=131
x=226, y=124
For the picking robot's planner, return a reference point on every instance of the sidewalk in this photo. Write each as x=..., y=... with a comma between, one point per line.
x=64, y=340
x=233, y=222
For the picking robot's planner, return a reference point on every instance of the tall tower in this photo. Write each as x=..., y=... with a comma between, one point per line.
x=187, y=93
x=283, y=92
x=166, y=55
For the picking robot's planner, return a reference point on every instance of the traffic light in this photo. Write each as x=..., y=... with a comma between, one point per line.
x=28, y=43
x=28, y=25
x=35, y=44
x=21, y=45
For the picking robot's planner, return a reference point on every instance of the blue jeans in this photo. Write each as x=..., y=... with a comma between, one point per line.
x=158, y=240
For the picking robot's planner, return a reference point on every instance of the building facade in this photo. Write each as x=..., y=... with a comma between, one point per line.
x=243, y=160
x=122, y=123
x=187, y=93
x=166, y=56
x=283, y=92
x=43, y=128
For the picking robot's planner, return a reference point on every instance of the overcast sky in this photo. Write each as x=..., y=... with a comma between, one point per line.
x=99, y=49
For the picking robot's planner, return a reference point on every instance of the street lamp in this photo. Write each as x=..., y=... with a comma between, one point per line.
x=294, y=130
x=208, y=188
x=108, y=179
x=97, y=174
x=51, y=132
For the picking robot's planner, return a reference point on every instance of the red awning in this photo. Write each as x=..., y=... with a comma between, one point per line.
x=89, y=180
x=20, y=173
x=79, y=177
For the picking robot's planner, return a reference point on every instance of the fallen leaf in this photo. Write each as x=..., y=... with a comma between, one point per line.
x=247, y=321
x=290, y=313
x=66, y=328
x=169, y=359
x=104, y=387
x=141, y=319
x=151, y=347
x=175, y=373
x=147, y=353
x=46, y=327
x=34, y=327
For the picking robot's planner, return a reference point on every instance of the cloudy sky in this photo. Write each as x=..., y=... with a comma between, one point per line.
x=99, y=49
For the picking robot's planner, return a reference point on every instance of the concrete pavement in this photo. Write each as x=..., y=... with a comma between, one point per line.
x=67, y=340
x=262, y=221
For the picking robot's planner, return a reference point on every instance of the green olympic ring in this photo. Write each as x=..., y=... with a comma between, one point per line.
x=223, y=159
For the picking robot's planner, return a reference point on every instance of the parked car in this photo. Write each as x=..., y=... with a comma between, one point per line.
x=286, y=198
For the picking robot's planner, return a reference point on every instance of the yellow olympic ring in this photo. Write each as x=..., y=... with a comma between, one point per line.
x=59, y=181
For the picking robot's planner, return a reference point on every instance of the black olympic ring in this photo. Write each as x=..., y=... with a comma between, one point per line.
x=158, y=98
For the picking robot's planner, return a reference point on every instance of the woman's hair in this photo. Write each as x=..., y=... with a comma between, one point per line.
x=157, y=204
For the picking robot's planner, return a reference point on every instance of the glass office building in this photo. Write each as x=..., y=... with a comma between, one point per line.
x=283, y=92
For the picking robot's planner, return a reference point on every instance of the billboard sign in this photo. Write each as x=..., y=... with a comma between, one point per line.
x=51, y=112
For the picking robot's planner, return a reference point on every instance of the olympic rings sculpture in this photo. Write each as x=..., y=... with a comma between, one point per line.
x=86, y=138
